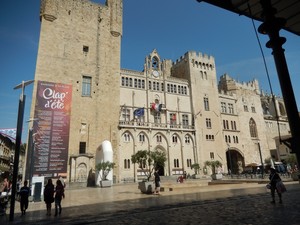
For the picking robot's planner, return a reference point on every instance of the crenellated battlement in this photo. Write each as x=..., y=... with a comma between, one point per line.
x=195, y=56
x=227, y=83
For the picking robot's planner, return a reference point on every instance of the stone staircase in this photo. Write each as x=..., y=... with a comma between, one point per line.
x=169, y=183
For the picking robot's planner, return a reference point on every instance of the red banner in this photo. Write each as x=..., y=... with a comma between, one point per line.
x=51, y=128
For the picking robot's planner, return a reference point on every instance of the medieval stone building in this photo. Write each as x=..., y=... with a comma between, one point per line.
x=177, y=107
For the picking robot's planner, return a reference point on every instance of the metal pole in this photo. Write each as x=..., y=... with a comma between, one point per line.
x=17, y=154
x=230, y=162
x=271, y=27
x=261, y=161
x=18, y=144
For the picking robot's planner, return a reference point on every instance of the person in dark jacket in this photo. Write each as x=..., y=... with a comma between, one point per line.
x=24, y=194
x=59, y=194
x=48, y=196
x=157, y=182
x=274, y=178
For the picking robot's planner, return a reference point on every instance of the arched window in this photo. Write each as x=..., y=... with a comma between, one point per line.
x=253, y=129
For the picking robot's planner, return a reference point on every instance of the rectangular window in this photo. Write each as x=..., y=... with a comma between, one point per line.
x=206, y=104
x=212, y=155
x=185, y=121
x=230, y=108
x=125, y=114
x=172, y=119
x=208, y=123
x=245, y=108
x=157, y=118
x=86, y=86
x=253, y=109
x=82, y=147
x=223, y=107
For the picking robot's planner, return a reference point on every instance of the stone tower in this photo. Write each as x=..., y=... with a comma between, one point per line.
x=80, y=46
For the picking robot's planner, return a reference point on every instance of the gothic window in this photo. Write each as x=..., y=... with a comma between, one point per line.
x=158, y=138
x=86, y=86
x=253, y=128
x=142, y=138
x=174, y=139
x=206, y=104
x=187, y=139
x=126, y=137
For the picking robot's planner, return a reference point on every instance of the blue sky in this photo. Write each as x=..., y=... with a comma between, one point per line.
x=173, y=27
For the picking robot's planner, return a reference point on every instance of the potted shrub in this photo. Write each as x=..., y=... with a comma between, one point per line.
x=148, y=161
x=196, y=168
x=214, y=164
x=104, y=168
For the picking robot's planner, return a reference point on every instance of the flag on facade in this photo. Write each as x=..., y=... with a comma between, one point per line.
x=139, y=112
x=157, y=107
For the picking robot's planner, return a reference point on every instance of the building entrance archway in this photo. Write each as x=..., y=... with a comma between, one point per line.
x=235, y=161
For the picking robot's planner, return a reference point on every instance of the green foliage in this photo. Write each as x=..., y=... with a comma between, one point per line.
x=104, y=168
x=148, y=161
x=196, y=167
x=213, y=165
x=291, y=159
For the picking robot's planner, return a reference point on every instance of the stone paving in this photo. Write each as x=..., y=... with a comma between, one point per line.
x=245, y=203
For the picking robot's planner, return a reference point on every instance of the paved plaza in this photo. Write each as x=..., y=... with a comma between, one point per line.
x=226, y=204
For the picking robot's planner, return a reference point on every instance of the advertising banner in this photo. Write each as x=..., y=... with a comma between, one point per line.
x=51, y=128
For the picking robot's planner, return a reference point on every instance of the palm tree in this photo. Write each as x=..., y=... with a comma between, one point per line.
x=213, y=165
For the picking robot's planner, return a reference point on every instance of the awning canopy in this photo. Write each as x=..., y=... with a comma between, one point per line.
x=287, y=9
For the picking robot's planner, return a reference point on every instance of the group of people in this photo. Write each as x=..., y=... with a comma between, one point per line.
x=51, y=194
x=54, y=194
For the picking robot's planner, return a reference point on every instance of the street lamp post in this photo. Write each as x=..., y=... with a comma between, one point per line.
x=18, y=144
x=261, y=161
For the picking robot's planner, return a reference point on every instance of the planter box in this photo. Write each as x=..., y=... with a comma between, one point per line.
x=217, y=176
x=105, y=183
x=146, y=187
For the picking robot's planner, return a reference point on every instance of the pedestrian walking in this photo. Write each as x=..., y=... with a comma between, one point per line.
x=157, y=182
x=59, y=194
x=48, y=196
x=24, y=194
x=274, y=178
